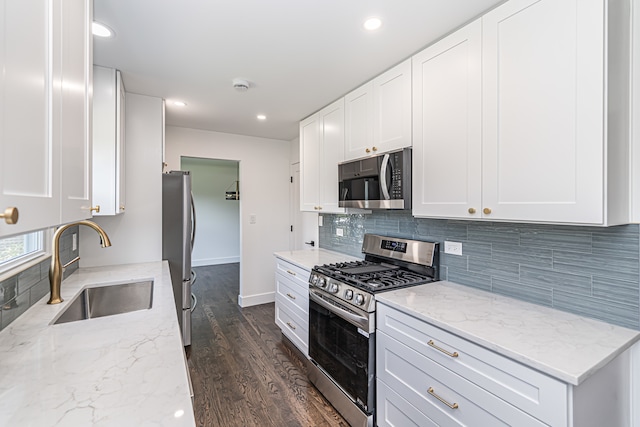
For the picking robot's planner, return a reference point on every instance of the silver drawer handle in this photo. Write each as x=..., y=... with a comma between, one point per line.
x=291, y=296
x=432, y=344
x=291, y=326
x=450, y=405
x=291, y=272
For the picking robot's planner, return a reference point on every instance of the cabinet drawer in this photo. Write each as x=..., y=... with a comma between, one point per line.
x=393, y=410
x=299, y=275
x=294, y=327
x=537, y=394
x=423, y=382
x=293, y=295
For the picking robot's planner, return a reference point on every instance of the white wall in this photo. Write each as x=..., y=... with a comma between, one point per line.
x=136, y=235
x=264, y=192
x=218, y=220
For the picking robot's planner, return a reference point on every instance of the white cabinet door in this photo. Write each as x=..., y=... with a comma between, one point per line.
x=378, y=114
x=108, y=141
x=358, y=122
x=447, y=126
x=392, y=108
x=310, y=163
x=543, y=111
x=29, y=161
x=332, y=153
x=72, y=106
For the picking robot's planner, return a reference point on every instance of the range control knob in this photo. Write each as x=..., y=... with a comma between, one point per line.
x=314, y=279
x=359, y=299
x=333, y=288
x=348, y=294
x=322, y=282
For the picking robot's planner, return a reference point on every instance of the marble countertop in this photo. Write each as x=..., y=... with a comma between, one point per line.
x=122, y=370
x=309, y=258
x=563, y=345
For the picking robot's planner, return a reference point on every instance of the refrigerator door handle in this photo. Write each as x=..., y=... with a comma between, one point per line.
x=186, y=294
x=193, y=222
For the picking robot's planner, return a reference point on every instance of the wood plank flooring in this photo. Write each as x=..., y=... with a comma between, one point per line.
x=242, y=372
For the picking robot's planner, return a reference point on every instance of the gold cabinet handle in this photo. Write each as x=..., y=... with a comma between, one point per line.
x=10, y=215
x=486, y=211
x=432, y=344
x=319, y=208
x=291, y=326
x=450, y=405
x=375, y=148
x=96, y=209
x=291, y=296
x=121, y=207
x=472, y=211
x=367, y=150
x=291, y=272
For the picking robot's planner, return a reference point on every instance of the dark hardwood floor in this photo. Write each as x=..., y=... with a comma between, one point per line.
x=243, y=373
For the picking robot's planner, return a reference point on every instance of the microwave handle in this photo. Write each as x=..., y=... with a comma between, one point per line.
x=383, y=177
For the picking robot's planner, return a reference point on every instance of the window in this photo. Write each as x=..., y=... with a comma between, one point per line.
x=18, y=249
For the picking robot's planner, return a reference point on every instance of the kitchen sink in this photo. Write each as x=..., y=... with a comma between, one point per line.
x=108, y=300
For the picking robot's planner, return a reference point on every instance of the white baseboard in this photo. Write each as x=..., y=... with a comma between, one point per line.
x=214, y=261
x=258, y=299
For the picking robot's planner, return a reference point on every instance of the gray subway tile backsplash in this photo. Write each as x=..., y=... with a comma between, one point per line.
x=19, y=292
x=591, y=271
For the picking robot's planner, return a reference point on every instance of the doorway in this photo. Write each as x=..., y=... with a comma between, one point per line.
x=218, y=216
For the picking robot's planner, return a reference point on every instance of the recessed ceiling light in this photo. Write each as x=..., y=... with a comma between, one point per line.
x=372, y=23
x=179, y=103
x=101, y=30
x=261, y=117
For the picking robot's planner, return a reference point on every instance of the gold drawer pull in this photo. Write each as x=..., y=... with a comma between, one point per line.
x=432, y=344
x=291, y=272
x=291, y=296
x=291, y=326
x=450, y=405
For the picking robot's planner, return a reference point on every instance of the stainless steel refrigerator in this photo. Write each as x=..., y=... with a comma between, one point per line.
x=178, y=233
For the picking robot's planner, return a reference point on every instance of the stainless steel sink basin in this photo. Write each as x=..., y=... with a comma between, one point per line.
x=103, y=301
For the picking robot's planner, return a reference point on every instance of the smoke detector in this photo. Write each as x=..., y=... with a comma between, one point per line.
x=240, y=85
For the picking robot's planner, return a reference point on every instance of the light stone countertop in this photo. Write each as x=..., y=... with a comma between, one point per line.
x=309, y=258
x=563, y=345
x=122, y=370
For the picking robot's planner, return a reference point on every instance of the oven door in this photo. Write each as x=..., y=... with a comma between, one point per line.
x=340, y=342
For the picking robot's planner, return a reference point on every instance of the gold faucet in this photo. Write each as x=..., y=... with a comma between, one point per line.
x=56, y=270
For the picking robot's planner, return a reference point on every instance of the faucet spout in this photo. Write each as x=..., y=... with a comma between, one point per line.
x=56, y=270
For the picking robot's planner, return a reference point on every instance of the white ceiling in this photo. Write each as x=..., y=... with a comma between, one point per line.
x=298, y=55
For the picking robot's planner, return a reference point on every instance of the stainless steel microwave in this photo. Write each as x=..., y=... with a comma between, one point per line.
x=378, y=182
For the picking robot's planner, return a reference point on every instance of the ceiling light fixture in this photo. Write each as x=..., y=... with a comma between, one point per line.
x=261, y=117
x=101, y=30
x=241, y=85
x=179, y=103
x=372, y=23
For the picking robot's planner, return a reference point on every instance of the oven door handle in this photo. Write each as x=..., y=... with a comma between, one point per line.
x=360, y=321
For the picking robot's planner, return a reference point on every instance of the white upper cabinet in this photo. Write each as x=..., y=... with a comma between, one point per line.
x=45, y=49
x=554, y=116
x=321, y=149
x=447, y=126
x=378, y=114
x=74, y=107
x=543, y=81
x=108, y=141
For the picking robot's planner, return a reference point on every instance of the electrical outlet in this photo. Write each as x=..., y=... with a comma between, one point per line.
x=319, y=220
x=252, y=218
x=453, y=248
x=339, y=232
x=74, y=242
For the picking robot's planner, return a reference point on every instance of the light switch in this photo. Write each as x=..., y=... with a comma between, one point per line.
x=74, y=242
x=252, y=218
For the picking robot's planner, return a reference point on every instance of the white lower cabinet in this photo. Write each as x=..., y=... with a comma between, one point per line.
x=292, y=303
x=427, y=376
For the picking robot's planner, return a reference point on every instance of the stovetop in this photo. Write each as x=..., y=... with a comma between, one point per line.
x=373, y=276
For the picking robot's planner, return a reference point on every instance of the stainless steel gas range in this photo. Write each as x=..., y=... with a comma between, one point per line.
x=342, y=318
